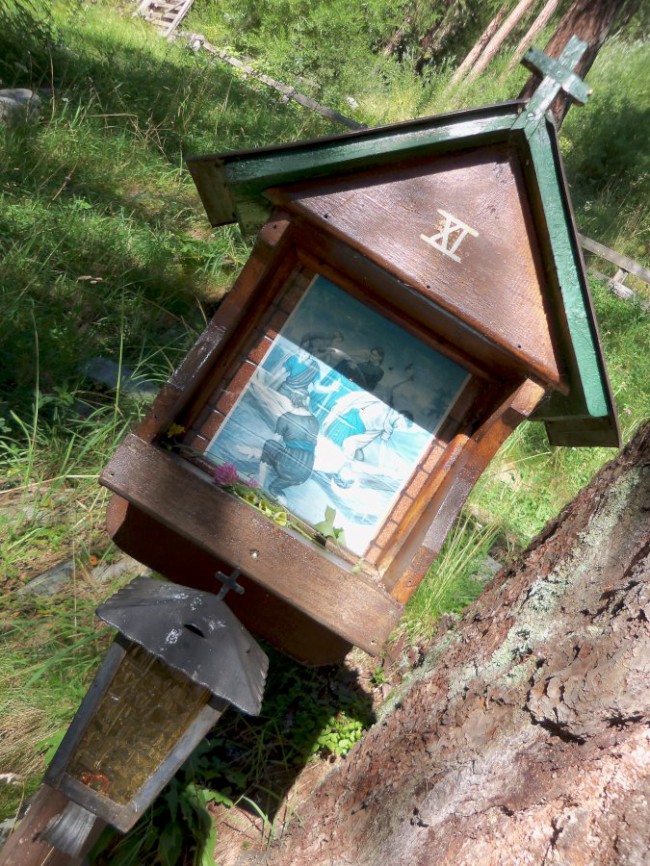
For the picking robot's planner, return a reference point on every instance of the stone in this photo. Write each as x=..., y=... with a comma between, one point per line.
x=488, y=569
x=51, y=581
x=6, y=829
x=18, y=103
x=110, y=374
x=124, y=565
x=56, y=579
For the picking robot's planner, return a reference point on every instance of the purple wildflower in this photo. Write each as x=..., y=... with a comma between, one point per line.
x=225, y=475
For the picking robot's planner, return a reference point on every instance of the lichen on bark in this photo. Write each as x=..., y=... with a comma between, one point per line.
x=527, y=740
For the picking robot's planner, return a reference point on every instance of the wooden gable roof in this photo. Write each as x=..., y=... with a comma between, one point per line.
x=379, y=189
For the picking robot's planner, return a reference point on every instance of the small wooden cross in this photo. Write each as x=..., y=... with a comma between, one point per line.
x=229, y=582
x=558, y=76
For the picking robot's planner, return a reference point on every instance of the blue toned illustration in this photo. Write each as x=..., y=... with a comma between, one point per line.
x=339, y=413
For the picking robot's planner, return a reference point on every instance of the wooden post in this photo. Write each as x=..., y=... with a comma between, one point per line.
x=480, y=44
x=24, y=848
x=538, y=24
x=499, y=37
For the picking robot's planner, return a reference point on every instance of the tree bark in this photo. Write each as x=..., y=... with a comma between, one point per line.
x=589, y=20
x=395, y=43
x=480, y=44
x=491, y=49
x=524, y=737
x=538, y=24
x=433, y=39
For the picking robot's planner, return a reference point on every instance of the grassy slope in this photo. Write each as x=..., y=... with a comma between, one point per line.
x=105, y=252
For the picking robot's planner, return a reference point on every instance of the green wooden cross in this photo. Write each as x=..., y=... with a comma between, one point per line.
x=558, y=76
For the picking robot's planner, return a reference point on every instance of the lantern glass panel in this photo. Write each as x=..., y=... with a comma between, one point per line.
x=335, y=412
x=143, y=714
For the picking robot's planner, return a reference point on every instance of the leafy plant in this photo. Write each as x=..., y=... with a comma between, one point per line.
x=226, y=476
x=326, y=529
x=177, y=829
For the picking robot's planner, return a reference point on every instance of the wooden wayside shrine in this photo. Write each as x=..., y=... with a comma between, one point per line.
x=414, y=293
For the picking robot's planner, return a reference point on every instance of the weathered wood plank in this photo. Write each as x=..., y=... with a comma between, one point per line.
x=493, y=278
x=465, y=461
x=24, y=848
x=287, y=91
x=249, y=173
x=260, y=611
x=183, y=498
x=615, y=258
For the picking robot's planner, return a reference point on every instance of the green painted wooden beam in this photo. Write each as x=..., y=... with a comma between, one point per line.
x=246, y=174
x=590, y=398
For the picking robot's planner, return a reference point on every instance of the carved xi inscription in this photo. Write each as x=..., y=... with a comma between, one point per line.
x=451, y=235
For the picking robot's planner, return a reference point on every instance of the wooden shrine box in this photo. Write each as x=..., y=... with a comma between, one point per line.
x=415, y=291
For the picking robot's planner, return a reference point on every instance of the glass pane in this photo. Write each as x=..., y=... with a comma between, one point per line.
x=142, y=715
x=338, y=414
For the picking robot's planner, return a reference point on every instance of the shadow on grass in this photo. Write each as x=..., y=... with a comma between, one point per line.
x=608, y=164
x=96, y=188
x=248, y=762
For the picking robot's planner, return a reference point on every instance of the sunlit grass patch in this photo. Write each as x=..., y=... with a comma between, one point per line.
x=454, y=580
x=49, y=649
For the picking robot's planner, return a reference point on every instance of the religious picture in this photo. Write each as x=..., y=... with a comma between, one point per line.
x=338, y=413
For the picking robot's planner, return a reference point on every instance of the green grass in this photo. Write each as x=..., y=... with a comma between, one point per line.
x=455, y=579
x=49, y=649
x=105, y=252
x=529, y=481
x=606, y=153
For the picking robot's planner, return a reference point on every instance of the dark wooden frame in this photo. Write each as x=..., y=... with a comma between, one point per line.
x=322, y=588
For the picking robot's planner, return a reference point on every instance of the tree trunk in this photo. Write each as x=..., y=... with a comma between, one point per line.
x=395, y=43
x=524, y=737
x=433, y=39
x=538, y=24
x=500, y=36
x=482, y=41
x=589, y=20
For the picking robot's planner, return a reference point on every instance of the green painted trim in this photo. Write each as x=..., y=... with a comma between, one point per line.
x=248, y=174
x=558, y=76
x=589, y=392
x=567, y=80
x=323, y=160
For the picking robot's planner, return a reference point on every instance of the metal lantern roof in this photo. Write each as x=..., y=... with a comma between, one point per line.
x=195, y=633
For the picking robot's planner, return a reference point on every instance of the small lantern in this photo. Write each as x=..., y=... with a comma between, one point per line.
x=415, y=292
x=179, y=660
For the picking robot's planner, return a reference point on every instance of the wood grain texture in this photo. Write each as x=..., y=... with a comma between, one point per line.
x=232, y=185
x=397, y=300
x=23, y=848
x=463, y=464
x=497, y=284
x=264, y=614
x=286, y=564
x=623, y=262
